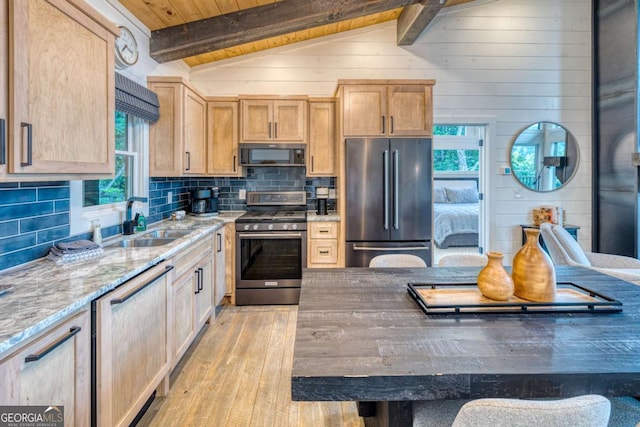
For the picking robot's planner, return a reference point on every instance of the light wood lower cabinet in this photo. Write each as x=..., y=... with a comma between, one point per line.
x=191, y=295
x=220, y=254
x=322, y=247
x=132, y=352
x=54, y=369
x=183, y=320
x=230, y=260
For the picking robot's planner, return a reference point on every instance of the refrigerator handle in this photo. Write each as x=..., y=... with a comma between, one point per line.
x=385, y=162
x=396, y=189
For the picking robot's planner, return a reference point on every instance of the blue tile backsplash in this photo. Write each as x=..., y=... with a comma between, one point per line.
x=33, y=216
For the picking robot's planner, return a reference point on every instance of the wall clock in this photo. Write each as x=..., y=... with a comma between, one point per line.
x=126, y=49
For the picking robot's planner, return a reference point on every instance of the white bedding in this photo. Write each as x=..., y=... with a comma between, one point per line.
x=454, y=218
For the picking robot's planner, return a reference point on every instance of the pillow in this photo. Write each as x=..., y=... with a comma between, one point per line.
x=462, y=195
x=439, y=195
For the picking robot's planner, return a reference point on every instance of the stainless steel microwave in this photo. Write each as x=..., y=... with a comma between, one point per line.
x=272, y=154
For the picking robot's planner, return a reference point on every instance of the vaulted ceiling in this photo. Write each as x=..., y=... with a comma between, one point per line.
x=204, y=31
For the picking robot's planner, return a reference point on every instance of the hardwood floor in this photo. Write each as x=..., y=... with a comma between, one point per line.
x=239, y=374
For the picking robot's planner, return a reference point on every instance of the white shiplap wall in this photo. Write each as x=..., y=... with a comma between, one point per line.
x=506, y=62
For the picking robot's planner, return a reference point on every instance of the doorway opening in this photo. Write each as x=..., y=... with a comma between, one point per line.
x=458, y=195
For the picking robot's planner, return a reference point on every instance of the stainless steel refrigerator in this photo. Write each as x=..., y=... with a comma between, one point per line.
x=388, y=198
x=616, y=157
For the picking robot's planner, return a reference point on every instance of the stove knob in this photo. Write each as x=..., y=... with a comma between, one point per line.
x=285, y=226
x=294, y=226
x=270, y=227
x=255, y=227
x=246, y=227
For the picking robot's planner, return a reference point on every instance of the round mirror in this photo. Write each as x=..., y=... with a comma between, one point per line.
x=544, y=156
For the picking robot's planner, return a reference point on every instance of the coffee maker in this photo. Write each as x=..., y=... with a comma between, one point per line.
x=322, y=194
x=204, y=201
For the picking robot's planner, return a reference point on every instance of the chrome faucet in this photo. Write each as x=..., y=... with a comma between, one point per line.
x=128, y=226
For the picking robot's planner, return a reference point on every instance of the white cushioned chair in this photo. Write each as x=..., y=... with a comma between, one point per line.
x=463, y=260
x=396, y=260
x=564, y=250
x=582, y=411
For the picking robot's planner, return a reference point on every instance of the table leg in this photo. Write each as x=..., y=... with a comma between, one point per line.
x=386, y=414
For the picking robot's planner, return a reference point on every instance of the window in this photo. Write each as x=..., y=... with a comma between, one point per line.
x=119, y=188
x=456, y=149
x=105, y=199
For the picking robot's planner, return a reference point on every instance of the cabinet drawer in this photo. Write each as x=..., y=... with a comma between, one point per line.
x=323, y=230
x=324, y=252
x=189, y=257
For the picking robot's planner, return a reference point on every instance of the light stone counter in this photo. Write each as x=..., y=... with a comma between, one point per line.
x=45, y=293
x=312, y=216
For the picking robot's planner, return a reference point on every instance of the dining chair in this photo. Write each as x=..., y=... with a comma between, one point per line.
x=582, y=411
x=463, y=260
x=396, y=260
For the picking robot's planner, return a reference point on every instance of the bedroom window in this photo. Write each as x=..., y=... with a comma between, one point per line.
x=456, y=149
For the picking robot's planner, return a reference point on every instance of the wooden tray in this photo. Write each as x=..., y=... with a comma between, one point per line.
x=463, y=298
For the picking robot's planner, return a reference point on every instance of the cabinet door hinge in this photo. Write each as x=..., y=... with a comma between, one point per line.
x=481, y=143
x=480, y=249
x=481, y=196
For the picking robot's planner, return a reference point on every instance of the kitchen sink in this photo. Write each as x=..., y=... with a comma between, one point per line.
x=141, y=242
x=169, y=233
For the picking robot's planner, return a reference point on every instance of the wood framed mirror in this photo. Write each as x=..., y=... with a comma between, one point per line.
x=544, y=156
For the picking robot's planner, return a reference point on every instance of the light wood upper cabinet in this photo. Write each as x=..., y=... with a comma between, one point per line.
x=320, y=150
x=386, y=109
x=195, y=133
x=61, y=88
x=53, y=369
x=410, y=110
x=222, y=138
x=271, y=120
x=178, y=140
x=365, y=110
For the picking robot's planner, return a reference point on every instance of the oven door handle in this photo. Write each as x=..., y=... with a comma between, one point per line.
x=268, y=235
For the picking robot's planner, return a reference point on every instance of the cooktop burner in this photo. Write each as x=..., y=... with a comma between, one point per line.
x=275, y=207
x=274, y=215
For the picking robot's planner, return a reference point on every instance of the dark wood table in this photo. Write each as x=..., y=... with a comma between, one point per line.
x=361, y=337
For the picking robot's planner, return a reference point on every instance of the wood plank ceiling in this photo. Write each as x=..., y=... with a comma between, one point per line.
x=204, y=31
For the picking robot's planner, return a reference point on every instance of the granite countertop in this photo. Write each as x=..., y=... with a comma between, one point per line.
x=312, y=216
x=44, y=293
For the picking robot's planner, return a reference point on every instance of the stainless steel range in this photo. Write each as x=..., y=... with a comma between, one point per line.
x=271, y=248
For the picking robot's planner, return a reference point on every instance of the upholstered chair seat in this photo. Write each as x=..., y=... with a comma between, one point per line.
x=396, y=260
x=582, y=411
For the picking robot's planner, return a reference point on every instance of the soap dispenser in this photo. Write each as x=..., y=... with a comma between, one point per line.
x=97, y=232
x=141, y=223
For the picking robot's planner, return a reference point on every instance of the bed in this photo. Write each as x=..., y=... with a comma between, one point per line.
x=455, y=213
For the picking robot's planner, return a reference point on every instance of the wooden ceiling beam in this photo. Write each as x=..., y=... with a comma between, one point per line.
x=258, y=23
x=415, y=18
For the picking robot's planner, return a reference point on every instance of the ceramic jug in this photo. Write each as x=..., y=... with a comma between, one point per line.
x=493, y=280
x=534, y=277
